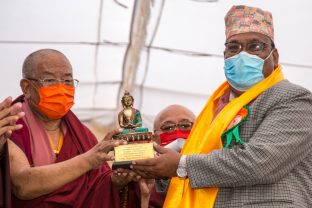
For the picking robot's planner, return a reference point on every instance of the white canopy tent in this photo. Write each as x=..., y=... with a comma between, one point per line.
x=181, y=59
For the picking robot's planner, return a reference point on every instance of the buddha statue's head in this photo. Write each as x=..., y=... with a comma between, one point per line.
x=127, y=100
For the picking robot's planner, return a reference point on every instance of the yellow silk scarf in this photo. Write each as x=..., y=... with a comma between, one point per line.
x=206, y=137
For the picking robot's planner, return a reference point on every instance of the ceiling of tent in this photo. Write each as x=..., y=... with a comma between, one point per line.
x=181, y=62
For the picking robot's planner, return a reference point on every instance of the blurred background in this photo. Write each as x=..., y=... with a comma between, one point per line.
x=162, y=51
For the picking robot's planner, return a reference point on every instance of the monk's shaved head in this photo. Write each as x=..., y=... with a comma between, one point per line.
x=43, y=57
x=40, y=66
x=174, y=114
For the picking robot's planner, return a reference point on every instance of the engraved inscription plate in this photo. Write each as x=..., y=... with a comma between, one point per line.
x=134, y=152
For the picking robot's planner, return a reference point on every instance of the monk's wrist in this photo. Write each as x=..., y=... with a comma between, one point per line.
x=86, y=162
x=144, y=201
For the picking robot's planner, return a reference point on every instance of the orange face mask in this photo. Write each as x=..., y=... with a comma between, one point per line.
x=56, y=100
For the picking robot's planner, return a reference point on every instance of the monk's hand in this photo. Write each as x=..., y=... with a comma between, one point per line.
x=99, y=153
x=9, y=114
x=121, y=177
x=146, y=186
x=109, y=135
x=163, y=166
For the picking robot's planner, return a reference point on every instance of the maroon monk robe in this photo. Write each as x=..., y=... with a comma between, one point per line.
x=93, y=189
x=5, y=188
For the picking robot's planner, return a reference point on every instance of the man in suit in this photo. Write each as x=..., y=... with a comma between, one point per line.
x=251, y=146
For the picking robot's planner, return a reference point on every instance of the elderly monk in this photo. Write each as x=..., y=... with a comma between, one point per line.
x=55, y=160
x=251, y=145
x=9, y=114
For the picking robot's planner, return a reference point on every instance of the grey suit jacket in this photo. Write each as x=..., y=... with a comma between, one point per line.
x=274, y=166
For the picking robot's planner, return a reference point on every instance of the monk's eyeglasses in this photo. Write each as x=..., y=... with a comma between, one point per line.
x=48, y=82
x=255, y=48
x=171, y=127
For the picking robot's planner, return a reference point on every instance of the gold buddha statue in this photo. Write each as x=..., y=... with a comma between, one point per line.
x=139, y=139
x=130, y=118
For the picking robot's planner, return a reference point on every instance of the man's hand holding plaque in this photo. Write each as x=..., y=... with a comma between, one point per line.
x=139, y=140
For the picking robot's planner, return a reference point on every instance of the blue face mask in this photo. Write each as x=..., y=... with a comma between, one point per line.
x=244, y=70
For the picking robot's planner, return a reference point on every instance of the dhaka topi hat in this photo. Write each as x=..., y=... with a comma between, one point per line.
x=243, y=19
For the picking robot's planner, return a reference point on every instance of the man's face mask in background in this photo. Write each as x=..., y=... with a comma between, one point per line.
x=174, y=140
